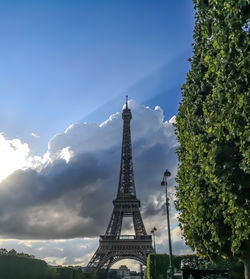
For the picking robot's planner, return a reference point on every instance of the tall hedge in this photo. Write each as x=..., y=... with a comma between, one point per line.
x=213, y=193
x=157, y=266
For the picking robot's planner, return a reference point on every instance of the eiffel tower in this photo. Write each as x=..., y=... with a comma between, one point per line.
x=113, y=246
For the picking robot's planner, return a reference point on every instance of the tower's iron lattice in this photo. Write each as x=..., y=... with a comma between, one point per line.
x=113, y=246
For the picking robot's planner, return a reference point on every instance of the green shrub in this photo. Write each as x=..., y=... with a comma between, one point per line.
x=157, y=266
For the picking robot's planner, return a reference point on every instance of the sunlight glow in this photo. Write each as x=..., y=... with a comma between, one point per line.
x=13, y=156
x=66, y=154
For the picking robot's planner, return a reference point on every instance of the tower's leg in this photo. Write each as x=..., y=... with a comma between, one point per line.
x=115, y=224
x=138, y=223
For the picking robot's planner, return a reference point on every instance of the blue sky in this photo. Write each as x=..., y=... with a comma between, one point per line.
x=65, y=68
x=68, y=61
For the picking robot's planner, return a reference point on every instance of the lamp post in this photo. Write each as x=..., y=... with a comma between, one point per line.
x=141, y=271
x=153, y=232
x=164, y=183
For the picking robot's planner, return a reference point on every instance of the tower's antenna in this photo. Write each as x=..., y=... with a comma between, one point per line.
x=127, y=102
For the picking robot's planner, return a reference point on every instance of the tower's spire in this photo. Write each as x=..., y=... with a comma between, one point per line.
x=126, y=187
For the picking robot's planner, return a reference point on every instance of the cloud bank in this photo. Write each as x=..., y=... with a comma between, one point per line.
x=69, y=193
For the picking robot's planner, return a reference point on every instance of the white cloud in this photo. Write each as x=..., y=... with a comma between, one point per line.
x=173, y=120
x=34, y=135
x=14, y=155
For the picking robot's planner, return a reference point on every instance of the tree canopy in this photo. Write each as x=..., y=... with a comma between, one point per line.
x=213, y=192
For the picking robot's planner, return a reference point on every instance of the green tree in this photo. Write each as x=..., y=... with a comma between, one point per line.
x=213, y=193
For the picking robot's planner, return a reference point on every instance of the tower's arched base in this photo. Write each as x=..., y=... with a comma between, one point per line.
x=112, y=250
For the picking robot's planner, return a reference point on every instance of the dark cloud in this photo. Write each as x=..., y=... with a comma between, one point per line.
x=74, y=199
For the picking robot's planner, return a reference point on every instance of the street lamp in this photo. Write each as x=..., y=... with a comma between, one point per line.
x=164, y=183
x=153, y=232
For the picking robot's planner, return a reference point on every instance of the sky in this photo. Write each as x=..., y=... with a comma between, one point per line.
x=65, y=69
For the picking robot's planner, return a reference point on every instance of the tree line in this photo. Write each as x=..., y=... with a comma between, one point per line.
x=23, y=266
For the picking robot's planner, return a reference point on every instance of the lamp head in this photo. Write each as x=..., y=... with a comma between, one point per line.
x=167, y=173
x=163, y=183
x=153, y=230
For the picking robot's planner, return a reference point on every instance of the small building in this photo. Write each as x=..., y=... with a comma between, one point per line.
x=124, y=272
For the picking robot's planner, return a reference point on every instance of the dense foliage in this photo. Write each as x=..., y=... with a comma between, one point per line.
x=213, y=195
